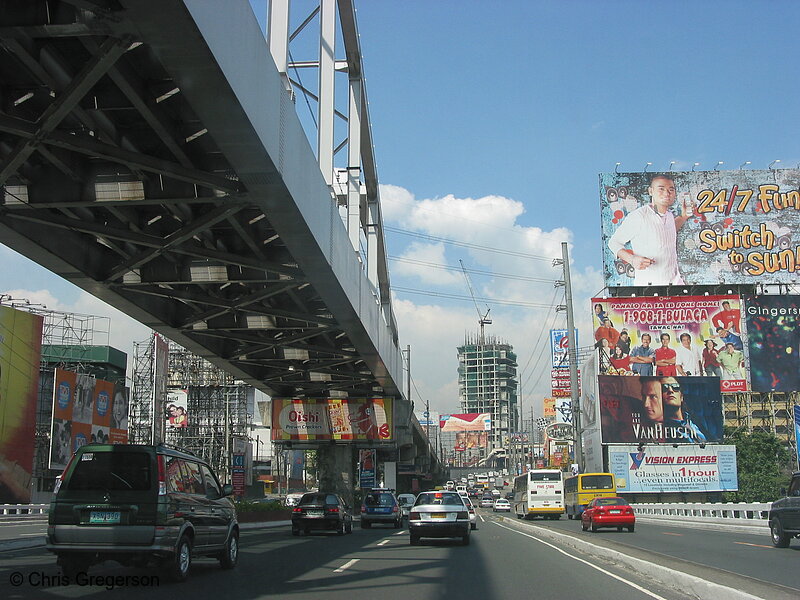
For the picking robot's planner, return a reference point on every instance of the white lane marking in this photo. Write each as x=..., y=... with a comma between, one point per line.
x=586, y=562
x=383, y=543
x=401, y=533
x=346, y=565
x=482, y=519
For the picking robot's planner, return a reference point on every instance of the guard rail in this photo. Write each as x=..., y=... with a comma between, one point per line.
x=24, y=510
x=733, y=513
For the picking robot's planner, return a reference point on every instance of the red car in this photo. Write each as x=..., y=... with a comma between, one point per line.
x=608, y=512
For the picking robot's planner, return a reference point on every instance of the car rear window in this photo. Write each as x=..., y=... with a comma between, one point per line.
x=378, y=500
x=439, y=498
x=611, y=502
x=318, y=498
x=107, y=471
x=597, y=482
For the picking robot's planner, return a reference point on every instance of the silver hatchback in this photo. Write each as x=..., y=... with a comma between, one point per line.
x=439, y=515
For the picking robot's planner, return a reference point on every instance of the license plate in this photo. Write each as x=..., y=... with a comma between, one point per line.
x=438, y=515
x=104, y=516
x=615, y=512
x=314, y=513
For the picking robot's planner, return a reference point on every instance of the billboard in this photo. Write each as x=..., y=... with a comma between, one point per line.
x=697, y=330
x=20, y=355
x=668, y=469
x=549, y=407
x=466, y=422
x=659, y=409
x=468, y=440
x=700, y=228
x=85, y=410
x=339, y=419
x=177, y=416
x=367, y=474
x=559, y=347
x=774, y=342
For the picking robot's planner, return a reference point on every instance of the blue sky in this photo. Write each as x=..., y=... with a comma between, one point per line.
x=491, y=122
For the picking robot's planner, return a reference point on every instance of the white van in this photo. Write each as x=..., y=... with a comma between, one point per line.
x=462, y=490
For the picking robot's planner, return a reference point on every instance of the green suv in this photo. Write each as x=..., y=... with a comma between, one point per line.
x=784, y=515
x=140, y=506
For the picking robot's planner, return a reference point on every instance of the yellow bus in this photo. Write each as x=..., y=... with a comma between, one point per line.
x=539, y=493
x=581, y=489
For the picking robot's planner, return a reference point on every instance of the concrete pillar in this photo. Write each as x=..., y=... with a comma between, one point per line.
x=336, y=469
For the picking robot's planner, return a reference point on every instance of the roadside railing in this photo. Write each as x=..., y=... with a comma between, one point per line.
x=23, y=511
x=732, y=513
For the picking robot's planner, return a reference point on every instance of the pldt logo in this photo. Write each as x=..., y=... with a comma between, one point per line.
x=636, y=460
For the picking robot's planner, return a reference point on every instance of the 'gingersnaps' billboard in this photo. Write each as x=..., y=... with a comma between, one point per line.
x=338, y=419
x=673, y=335
x=659, y=409
x=774, y=340
x=703, y=228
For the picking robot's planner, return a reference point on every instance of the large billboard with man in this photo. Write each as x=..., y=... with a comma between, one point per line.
x=700, y=228
x=660, y=409
x=673, y=335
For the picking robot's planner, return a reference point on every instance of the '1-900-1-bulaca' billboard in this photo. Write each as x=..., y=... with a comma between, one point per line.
x=704, y=228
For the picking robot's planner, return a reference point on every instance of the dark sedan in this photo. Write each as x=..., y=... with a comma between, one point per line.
x=321, y=510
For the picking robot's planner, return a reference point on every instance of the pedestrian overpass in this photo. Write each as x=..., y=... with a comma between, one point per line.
x=152, y=154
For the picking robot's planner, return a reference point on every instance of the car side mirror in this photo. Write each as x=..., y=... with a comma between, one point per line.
x=227, y=490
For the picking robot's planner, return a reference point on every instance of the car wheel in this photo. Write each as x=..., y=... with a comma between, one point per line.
x=779, y=538
x=295, y=531
x=340, y=528
x=630, y=528
x=177, y=566
x=619, y=529
x=414, y=540
x=230, y=555
x=365, y=524
x=398, y=524
x=584, y=526
x=72, y=565
x=306, y=531
x=473, y=526
x=569, y=516
x=465, y=540
x=349, y=527
x=594, y=527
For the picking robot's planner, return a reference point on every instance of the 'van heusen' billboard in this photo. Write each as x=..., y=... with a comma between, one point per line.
x=668, y=469
x=339, y=419
x=704, y=228
x=699, y=328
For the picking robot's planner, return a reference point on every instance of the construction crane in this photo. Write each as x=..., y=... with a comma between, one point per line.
x=482, y=319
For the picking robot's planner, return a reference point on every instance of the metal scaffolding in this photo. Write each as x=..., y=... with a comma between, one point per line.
x=219, y=408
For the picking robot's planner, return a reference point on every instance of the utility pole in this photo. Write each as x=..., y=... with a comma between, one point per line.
x=573, y=355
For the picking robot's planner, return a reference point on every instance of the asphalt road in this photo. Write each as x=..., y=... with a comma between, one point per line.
x=507, y=558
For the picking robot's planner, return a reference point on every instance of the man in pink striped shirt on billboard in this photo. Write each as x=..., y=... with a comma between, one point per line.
x=652, y=231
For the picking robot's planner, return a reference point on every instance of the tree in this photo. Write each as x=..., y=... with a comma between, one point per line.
x=764, y=466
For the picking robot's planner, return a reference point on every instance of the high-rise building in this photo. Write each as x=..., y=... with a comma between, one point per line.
x=487, y=382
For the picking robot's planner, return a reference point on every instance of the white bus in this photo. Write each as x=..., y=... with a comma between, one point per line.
x=482, y=481
x=539, y=493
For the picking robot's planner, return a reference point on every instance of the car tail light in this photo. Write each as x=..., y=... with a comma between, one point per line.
x=60, y=478
x=162, y=476
x=395, y=509
x=413, y=516
x=363, y=509
x=462, y=515
x=332, y=509
x=297, y=510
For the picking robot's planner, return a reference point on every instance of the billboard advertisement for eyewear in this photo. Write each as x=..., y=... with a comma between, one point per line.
x=668, y=469
x=700, y=228
x=660, y=409
x=348, y=419
x=673, y=335
x=774, y=342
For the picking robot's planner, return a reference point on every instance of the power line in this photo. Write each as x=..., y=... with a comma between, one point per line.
x=476, y=271
x=468, y=298
x=434, y=238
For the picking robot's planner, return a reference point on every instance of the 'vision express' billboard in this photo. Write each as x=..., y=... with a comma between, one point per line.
x=704, y=228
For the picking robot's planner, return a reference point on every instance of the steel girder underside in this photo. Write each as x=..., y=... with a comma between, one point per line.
x=119, y=177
